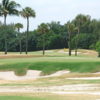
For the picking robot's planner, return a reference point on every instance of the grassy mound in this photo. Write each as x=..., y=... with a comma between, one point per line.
x=50, y=65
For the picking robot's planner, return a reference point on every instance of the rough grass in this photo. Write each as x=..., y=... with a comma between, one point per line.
x=49, y=82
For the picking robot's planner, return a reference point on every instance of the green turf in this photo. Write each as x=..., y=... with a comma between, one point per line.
x=25, y=98
x=28, y=98
x=52, y=62
x=16, y=98
x=51, y=97
x=50, y=65
x=39, y=97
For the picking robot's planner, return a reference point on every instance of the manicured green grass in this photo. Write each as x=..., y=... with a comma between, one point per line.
x=52, y=62
x=51, y=97
x=17, y=98
x=29, y=98
x=50, y=65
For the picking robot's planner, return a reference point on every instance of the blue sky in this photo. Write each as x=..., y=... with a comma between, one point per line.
x=56, y=10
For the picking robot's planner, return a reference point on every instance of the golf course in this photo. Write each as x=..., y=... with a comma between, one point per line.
x=60, y=77
x=49, y=50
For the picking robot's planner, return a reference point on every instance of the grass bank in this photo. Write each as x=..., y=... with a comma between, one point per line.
x=50, y=65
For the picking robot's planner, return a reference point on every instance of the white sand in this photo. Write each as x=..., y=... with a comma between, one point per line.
x=85, y=78
x=82, y=93
x=10, y=75
x=31, y=74
x=35, y=74
x=67, y=89
x=62, y=51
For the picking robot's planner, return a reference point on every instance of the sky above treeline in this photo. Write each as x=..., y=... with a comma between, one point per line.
x=56, y=10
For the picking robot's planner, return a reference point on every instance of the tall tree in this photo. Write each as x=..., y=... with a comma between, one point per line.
x=80, y=21
x=70, y=29
x=43, y=29
x=8, y=8
x=27, y=13
x=19, y=26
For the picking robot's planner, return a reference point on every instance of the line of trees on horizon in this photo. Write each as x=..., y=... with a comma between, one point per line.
x=82, y=32
x=8, y=7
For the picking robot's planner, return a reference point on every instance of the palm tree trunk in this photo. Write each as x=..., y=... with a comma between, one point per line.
x=98, y=54
x=69, y=44
x=6, y=49
x=69, y=49
x=76, y=51
x=6, y=46
x=27, y=35
x=43, y=45
x=20, y=44
x=76, y=48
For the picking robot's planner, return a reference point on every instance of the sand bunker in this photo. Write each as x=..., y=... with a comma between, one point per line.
x=66, y=89
x=31, y=74
x=35, y=74
x=61, y=51
x=10, y=75
x=85, y=78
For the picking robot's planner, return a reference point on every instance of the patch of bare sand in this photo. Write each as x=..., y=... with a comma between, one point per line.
x=62, y=51
x=10, y=75
x=35, y=74
x=31, y=75
x=66, y=89
x=82, y=93
x=85, y=78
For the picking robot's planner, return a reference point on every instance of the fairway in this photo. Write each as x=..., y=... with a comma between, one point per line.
x=17, y=98
x=49, y=50
x=49, y=97
x=51, y=64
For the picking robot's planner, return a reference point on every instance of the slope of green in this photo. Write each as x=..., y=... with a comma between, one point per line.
x=50, y=65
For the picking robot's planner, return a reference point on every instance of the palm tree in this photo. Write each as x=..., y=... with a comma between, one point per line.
x=77, y=40
x=19, y=26
x=43, y=29
x=8, y=8
x=79, y=21
x=27, y=13
x=70, y=28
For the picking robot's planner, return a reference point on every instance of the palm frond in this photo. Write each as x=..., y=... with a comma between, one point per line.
x=13, y=4
x=14, y=12
x=10, y=7
x=28, y=12
x=1, y=10
x=18, y=25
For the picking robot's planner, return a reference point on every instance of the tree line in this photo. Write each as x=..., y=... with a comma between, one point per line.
x=82, y=32
x=8, y=7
